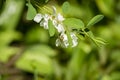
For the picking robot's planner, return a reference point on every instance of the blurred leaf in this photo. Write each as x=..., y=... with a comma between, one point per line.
x=73, y=23
x=7, y=52
x=51, y=28
x=115, y=55
x=12, y=10
x=75, y=64
x=44, y=49
x=86, y=48
x=35, y=59
x=66, y=7
x=106, y=7
x=94, y=20
x=37, y=34
x=106, y=77
x=6, y=37
x=31, y=11
x=115, y=75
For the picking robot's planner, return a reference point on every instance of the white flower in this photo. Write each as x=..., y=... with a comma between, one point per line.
x=60, y=18
x=60, y=28
x=44, y=22
x=58, y=42
x=74, y=39
x=62, y=40
x=57, y=20
x=38, y=18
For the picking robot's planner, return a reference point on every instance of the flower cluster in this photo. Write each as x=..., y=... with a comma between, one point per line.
x=57, y=20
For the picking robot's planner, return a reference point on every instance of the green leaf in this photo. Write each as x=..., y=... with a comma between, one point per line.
x=115, y=75
x=37, y=57
x=94, y=20
x=51, y=28
x=75, y=64
x=7, y=52
x=31, y=61
x=12, y=10
x=38, y=35
x=74, y=23
x=31, y=12
x=66, y=7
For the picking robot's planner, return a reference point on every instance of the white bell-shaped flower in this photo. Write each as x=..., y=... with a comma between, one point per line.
x=74, y=39
x=38, y=18
x=44, y=22
x=58, y=42
x=60, y=18
x=62, y=40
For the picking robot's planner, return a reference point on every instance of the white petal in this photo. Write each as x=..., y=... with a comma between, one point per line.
x=63, y=37
x=74, y=39
x=60, y=28
x=38, y=18
x=66, y=43
x=73, y=36
x=60, y=17
x=58, y=42
x=44, y=24
x=46, y=17
x=74, y=43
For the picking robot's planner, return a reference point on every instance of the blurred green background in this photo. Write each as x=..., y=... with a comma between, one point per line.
x=28, y=53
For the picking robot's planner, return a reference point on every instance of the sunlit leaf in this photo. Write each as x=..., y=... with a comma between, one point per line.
x=94, y=20
x=73, y=23
x=51, y=28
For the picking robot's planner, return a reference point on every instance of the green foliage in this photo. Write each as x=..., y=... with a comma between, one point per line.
x=66, y=8
x=7, y=52
x=36, y=34
x=12, y=10
x=74, y=23
x=41, y=58
x=106, y=7
x=94, y=20
x=37, y=58
x=51, y=28
x=31, y=11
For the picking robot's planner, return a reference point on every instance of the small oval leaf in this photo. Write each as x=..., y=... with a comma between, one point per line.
x=31, y=12
x=94, y=20
x=66, y=7
x=74, y=23
x=51, y=28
